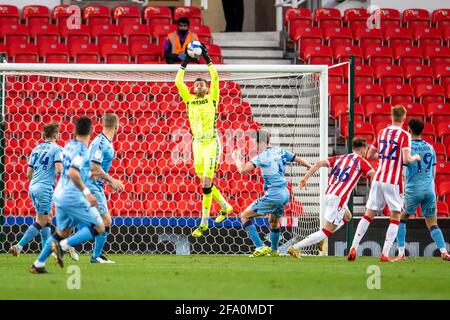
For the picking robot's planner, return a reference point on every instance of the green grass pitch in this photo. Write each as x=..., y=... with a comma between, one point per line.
x=226, y=277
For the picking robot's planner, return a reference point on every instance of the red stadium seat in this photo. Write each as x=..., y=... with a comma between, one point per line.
x=318, y=55
x=85, y=53
x=63, y=12
x=437, y=55
x=115, y=53
x=399, y=93
x=429, y=93
x=441, y=153
x=158, y=15
x=327, y=17
x=194, y=14
x=295, y=18
x=9, y=14
x=335, y=75
x=443, y=190
x=405, y=55
x=136, y=34
x=389, y=18
x=414, y=111
x=366, y=93
x=337, y=93
x=442, y=74
x=127, y=15
x=438, y=113
x=442, y=172
x=446, y=35
x=78, y=35
x=105, y=33
x=368, y=37
x=44, y=33
x=441, y=18
x=442, y=209
x=395, y=36
x=417, y=74
x=378, y=112
x=428, y=37
x=36, y=14
x=54, y=53
x=416, y=18
x=342, y=113
x=204, y=34
x=363, y=74
x=356, y=18
x=160, y=32
x=307, y=37
x=24, y=53
x=14, y=33
x=429, y=132
x=338, y=37
x=378, y=55
x=342, y=53
x=215, y=53
x=362, y=130
x=97, y=14
x=146, y=53
x=443, y=133
x=388, y=74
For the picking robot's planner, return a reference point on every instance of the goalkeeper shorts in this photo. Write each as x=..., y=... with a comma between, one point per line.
x=206, y=157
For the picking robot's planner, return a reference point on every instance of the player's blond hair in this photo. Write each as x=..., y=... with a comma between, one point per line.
x=51, y=130
x=398, y=113
x=110, y=120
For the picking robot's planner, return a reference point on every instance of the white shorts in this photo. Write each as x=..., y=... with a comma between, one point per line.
x=333, y=214
x=384, y=193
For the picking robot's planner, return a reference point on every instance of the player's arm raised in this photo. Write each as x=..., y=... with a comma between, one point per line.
x=312, y=171
x=74, y=175
x=179, y=80
x=97, y=172
x=302, y=161
x=242, y=167
x=214, y=85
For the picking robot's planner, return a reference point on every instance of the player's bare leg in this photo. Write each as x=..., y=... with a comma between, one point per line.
x=247, y=222
x=363, y=225
x=206, y=207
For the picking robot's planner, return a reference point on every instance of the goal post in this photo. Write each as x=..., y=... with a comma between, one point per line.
x=160, y=205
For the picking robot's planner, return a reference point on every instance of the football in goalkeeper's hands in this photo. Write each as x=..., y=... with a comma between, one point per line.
x=194, y=49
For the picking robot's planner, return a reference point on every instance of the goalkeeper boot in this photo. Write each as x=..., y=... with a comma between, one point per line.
x=294, y=252
x=264, y=251
x=15, y=250
x=224, y=212
x=37, y=270
x=199, y=231
x=445, y=256
x=73, y=254
x=59, y=253
x=352, y=254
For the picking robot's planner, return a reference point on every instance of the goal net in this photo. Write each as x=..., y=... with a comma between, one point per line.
x=161, y=203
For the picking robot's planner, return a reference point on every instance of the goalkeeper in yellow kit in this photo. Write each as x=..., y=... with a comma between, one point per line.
x=201, y=109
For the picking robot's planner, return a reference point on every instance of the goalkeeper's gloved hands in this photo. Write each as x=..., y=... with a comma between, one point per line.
x=186, y=58
x=205, y=53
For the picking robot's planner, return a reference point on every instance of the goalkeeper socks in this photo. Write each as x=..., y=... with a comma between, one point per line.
x=47, y=250
x=313, y=238
x=100, y=241
x=401, y=237
x=391, y=234
x=253, y=234
x=206, y=204
x=274, y=239
x=361, y=230
x=46, y=232
x=29, y=235
x=438, y=237
x=82, y=235
x=217, y=196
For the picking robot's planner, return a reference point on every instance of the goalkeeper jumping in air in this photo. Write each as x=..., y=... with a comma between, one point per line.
x=201, y=109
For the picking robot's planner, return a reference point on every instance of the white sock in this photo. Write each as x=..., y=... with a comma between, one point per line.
x=38, y=264
x=361, y=230
x=401, y=251
x=443, y=250
x=391, y=234
x=313, y=238
x=64, y=245
x=19, y=248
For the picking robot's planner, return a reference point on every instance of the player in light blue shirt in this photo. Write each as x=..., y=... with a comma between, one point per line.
x=101, y=153
x=420, y=190
x=44, y=164
x=75, y=204
x=272, y=161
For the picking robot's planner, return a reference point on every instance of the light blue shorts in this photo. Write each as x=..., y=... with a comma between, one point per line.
x=69, y=216
x=426, y=199
x=101, y=198
x=42, y=199
x=272, y=202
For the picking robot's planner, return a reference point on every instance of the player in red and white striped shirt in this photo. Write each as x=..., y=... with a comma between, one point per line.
x=345, y=173
x=392, y=148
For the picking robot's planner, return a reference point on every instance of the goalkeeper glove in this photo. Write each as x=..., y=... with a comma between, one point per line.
x=205, y=54
x=186, y=60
